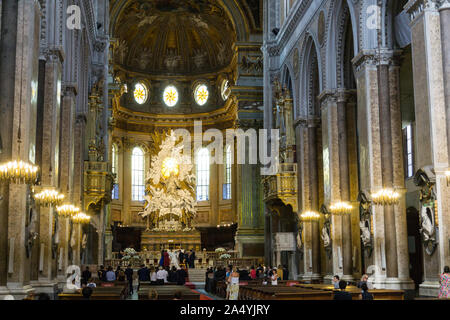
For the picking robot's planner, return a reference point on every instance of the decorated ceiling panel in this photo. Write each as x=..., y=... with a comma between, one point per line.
x=173, y=37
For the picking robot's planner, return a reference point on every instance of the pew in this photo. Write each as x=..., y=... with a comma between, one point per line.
x=167, y=292
x=99, y=293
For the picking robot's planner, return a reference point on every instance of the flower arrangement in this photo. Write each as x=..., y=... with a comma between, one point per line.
x=225, y=256
x=131, y=254
x=220, y=250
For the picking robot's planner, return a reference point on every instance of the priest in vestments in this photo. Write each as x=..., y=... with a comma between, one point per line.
x=166, y=259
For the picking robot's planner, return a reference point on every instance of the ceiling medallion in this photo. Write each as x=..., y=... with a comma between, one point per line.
x=201, y=94
x=170, y=96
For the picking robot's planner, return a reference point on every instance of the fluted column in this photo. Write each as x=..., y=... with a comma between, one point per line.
x=126, y=190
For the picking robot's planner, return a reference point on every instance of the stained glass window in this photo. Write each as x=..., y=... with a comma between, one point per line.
x=140, y=93
x=137, y=175
x=203, y=175
x=226, y=187
x=201, y=94
x=170, y=96
x=114, y=162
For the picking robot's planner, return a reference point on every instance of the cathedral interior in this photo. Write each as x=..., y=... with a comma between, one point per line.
x=123, y=123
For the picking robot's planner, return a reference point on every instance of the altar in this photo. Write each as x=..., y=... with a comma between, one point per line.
x=170, y=203
x=159, y=240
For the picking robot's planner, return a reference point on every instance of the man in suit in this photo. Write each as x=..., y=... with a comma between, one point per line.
x=85, y=276
x=342, y=294
x=143, y=274
x=192, y=259
x=129, y=275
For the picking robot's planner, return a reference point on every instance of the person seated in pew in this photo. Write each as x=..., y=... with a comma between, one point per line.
x=364, y=279
x=172, y=274
x=342, y=294
x=181, y=276
x=87, y=292
x=253, y=273
x=152, y=294
x=85, y=276
x=274, y=277
x=73, y=288
x=101, y=273
x=110, y=275
x=336, y=282
x=178, y=295
x=365, y=294
x=152, y=275
x=91, y=283
x=161, y=276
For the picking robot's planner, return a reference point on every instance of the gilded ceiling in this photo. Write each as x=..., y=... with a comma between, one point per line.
x=173, y=37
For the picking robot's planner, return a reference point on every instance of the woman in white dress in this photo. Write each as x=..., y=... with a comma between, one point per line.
x=233, y=283
x=274, y=277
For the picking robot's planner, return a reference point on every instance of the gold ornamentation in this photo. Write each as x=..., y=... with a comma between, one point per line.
x=19, y=171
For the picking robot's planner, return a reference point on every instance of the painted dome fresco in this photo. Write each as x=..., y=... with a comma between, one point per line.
x=177, y=37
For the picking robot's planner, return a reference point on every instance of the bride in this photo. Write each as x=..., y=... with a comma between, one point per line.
x=173, y=258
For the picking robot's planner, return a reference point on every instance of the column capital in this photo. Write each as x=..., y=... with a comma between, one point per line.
x=415, y=8
x=376, y=57
x=52, y=54
x=70, y=89
x=307, y=122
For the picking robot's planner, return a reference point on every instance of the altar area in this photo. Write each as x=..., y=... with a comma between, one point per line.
x=170, y=198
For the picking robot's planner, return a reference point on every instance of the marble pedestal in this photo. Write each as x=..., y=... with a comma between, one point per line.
x=429, y=289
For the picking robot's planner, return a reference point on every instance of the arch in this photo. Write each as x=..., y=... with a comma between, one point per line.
x=310, y=71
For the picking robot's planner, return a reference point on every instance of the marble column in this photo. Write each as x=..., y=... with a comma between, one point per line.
x=23, y=142
x=314, y=198
x=344, y=181
x=49, y=163
x=8, y=43
x=430, y=71
x=331, y=176
x=381, y=162
x=67, y=141
x=78, y=160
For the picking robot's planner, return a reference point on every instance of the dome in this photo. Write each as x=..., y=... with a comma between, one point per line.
x=186, y=37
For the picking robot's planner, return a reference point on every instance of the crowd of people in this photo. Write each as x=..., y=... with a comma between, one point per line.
x=232, y=275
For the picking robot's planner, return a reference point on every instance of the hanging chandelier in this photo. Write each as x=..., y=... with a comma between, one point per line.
x=81, y=218
x=67, y=210
x=18, y=171
x=341, y=208
x=310, y=216
x=48, y=197
x=385, y=197
x=447, y=177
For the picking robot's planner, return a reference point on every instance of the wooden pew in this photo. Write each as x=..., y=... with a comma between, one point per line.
x=167, y=292
x=378, y=294
x=99, y=293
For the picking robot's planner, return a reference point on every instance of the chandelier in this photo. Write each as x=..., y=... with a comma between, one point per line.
x=385, y=197
x=81, y=218
x=310, y=216
x=48, y=197
x=18, y=171
x=67, y=210
x=341, y=208
x=447, y=177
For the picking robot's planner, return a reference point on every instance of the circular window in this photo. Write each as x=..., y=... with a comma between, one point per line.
x=225, y=89
x=201, y=94
x=170, y=96
x=140, y=93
